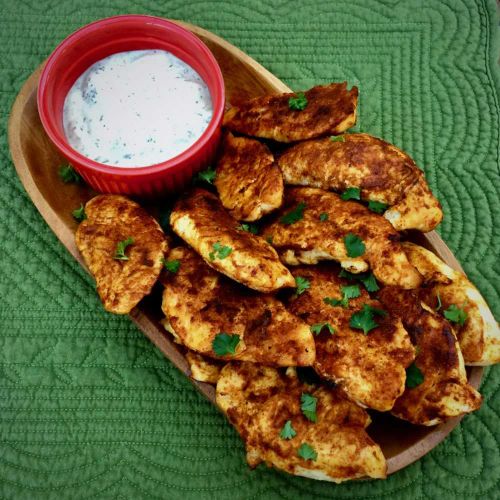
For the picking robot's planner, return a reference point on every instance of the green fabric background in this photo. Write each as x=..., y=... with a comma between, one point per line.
x=88, y=407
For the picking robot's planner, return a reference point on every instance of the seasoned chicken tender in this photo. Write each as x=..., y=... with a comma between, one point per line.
x=261, y=402
x=201, y=221
x=200, y=304
x=203, y=369
x=249, y=183
x=479, y=335
x=419, y=209
x=319, y=235
x=111, y=220
x=444, y=392
x=381, y=171
x=330, y=109
x=370, y=368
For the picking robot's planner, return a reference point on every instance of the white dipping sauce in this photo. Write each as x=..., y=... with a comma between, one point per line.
x=136, y=108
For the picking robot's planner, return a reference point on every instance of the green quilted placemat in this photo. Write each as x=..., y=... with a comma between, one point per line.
x=89, y=408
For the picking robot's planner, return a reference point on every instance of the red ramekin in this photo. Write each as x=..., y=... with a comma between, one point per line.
x=117, y=34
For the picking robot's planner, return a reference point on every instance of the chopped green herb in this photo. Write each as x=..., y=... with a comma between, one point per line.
x=208, y=175
x=294, y=215
x=368, y=280
x=414, y=377
x=308, y=406
x=335, y=302
x=364, y=319
x=79, y=213
x=225, y=343
x=287, y=432
x=249, y=228
x=438, y=301
x=377, y=207
x=220, y=251
x=348, y=292
x=323, y=216
x=455, y=314
x=302, y=284
x=352, y=193
x=269, y=239
x=354, y=245
x=298, y=103
x=307, y=452
x=69, y=175
x=121, y=247
x=318, y=327
x=171, y=265
x=337, y=138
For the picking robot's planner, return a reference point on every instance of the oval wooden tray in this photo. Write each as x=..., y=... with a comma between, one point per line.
x=37, y=162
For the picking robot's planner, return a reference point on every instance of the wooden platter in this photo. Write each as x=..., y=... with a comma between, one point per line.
x=37, y=162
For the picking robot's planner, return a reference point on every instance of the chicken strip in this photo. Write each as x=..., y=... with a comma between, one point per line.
x=201, y=304
x=453, y=295
x=249, y=183
x=201, y=221
x=419, y=209
x=123, y=247
x=382, y=172
x=437, y=387
x=264, y=405
x=317, y=225
x=203, y=369
x=369, y=367
x=329, y=109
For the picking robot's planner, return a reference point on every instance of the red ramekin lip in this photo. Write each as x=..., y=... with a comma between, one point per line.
x=193, y=45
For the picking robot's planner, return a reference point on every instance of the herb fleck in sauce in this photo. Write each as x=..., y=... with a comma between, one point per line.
x=136, y=108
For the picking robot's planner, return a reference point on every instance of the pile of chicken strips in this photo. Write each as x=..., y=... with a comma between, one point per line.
x=291, y=252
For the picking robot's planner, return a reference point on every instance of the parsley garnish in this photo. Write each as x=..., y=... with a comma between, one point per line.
x=351, y=193
x=307, y=452
x=225, y=343
x=337, y=138
x=354, y=245
x=121, y=247
x=308, y=406
x=208, y=175
x=348, y=292
x=220, y=251
x=323, y=216
x=171, y=265
x=68, y=174
x=438, y=301
x=249, y=228
x=363, y=320
x=302, y=285
x=298, y=103
x=334, y=302
x=318, y=327
x=288, y=432
x=414, y=377
x=368, y=280
x=269, y=239
x=294, y=215
x=377, y=207
x=455, y=314
x=79, y=213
